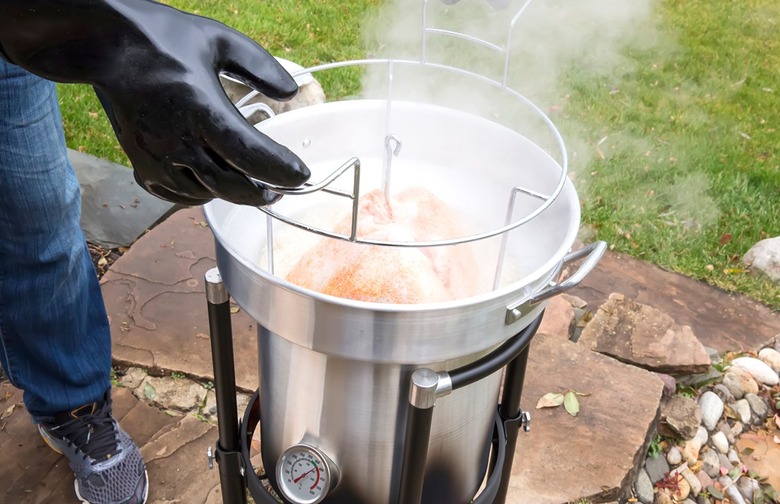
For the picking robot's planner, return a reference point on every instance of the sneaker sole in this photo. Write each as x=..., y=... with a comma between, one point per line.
x=48, y=442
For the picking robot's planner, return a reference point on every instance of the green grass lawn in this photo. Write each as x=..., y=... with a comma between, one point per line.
x=675, y=151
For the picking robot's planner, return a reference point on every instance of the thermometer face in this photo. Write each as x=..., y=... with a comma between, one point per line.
x=303, y=474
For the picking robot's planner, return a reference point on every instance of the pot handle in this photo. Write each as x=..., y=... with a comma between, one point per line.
x=592, y=253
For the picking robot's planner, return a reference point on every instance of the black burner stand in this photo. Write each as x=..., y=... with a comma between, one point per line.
x=426, y=386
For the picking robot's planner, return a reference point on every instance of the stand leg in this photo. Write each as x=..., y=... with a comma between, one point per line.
x=510, y=408
x=228, y=454
x=422, y=398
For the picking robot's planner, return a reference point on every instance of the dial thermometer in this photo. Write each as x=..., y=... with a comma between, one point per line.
x=305, y=474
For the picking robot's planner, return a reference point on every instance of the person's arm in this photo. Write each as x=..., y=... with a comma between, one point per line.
x=155, y=70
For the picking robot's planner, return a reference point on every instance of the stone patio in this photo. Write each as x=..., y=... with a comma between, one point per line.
x=154, y=296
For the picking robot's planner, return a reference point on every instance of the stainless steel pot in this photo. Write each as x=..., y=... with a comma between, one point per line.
x=334, y=372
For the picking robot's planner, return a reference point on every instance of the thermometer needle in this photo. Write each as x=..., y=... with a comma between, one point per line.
x=299, y=478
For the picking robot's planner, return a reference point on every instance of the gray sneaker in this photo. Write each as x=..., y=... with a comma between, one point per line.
x=106, y=462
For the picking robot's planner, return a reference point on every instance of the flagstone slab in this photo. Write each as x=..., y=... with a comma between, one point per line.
x=174, y=448
x=596, y=454
x=156, y=302
x=115, y=210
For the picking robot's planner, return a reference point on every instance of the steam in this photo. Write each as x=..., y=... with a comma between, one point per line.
x=551, y=40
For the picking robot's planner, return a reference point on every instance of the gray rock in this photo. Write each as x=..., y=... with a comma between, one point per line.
x=644, y=488
x=737, y=428
x=310, y=92
x=733, y=456
x=673, y=456
x=719, y=442
x=742, y=409
x=680, y=417
x=115, y=210
x=739, y=382
x=724, y=393
x=711, y=409
x=133, y=378
x=689, y=500
x=724, y=461
x=723, y=427
x=747, y=487
x=172, y=393
x=701, y=499
x=731, y=490
x=764, y=258
x=656, y=468
x=710, y=463
x=758, y=406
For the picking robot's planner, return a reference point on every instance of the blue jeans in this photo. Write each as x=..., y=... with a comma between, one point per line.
x=54, y=336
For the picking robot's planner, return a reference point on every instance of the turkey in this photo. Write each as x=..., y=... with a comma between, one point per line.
x=398, y=275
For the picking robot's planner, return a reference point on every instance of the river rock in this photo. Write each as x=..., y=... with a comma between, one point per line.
x=771, y=357
x=747, y=487
x=704, y=478
x=758, y=406
x=701, y=436
x=664, y=497
x=670, y=384
x=739, y=382
x=758, y=369
x=680, y=417
x=673, y=456
x=719, y=442
x=723, y=427
x=737, y=428
x=656, y=468
x=644, y=488
x=723, y=392
x=645, y=337
x=710, y=463
x=711, y=409
x=691, y=450
x=683, y=489
x=742, y=409
x=724, y=461
x=692, y=480
x=731, y=490
x=764, y=258
x=733, y=457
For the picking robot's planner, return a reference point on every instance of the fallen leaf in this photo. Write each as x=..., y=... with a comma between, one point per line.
x=234, y=309
x=102, y=261
x=149, y=392
x=8, y=412
x=714, y=492
x=550, y=400
x=571, y=403
x=776, y=439
x=725, y=238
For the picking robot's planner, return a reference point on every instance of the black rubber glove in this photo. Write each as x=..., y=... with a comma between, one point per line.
x=155, y=70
